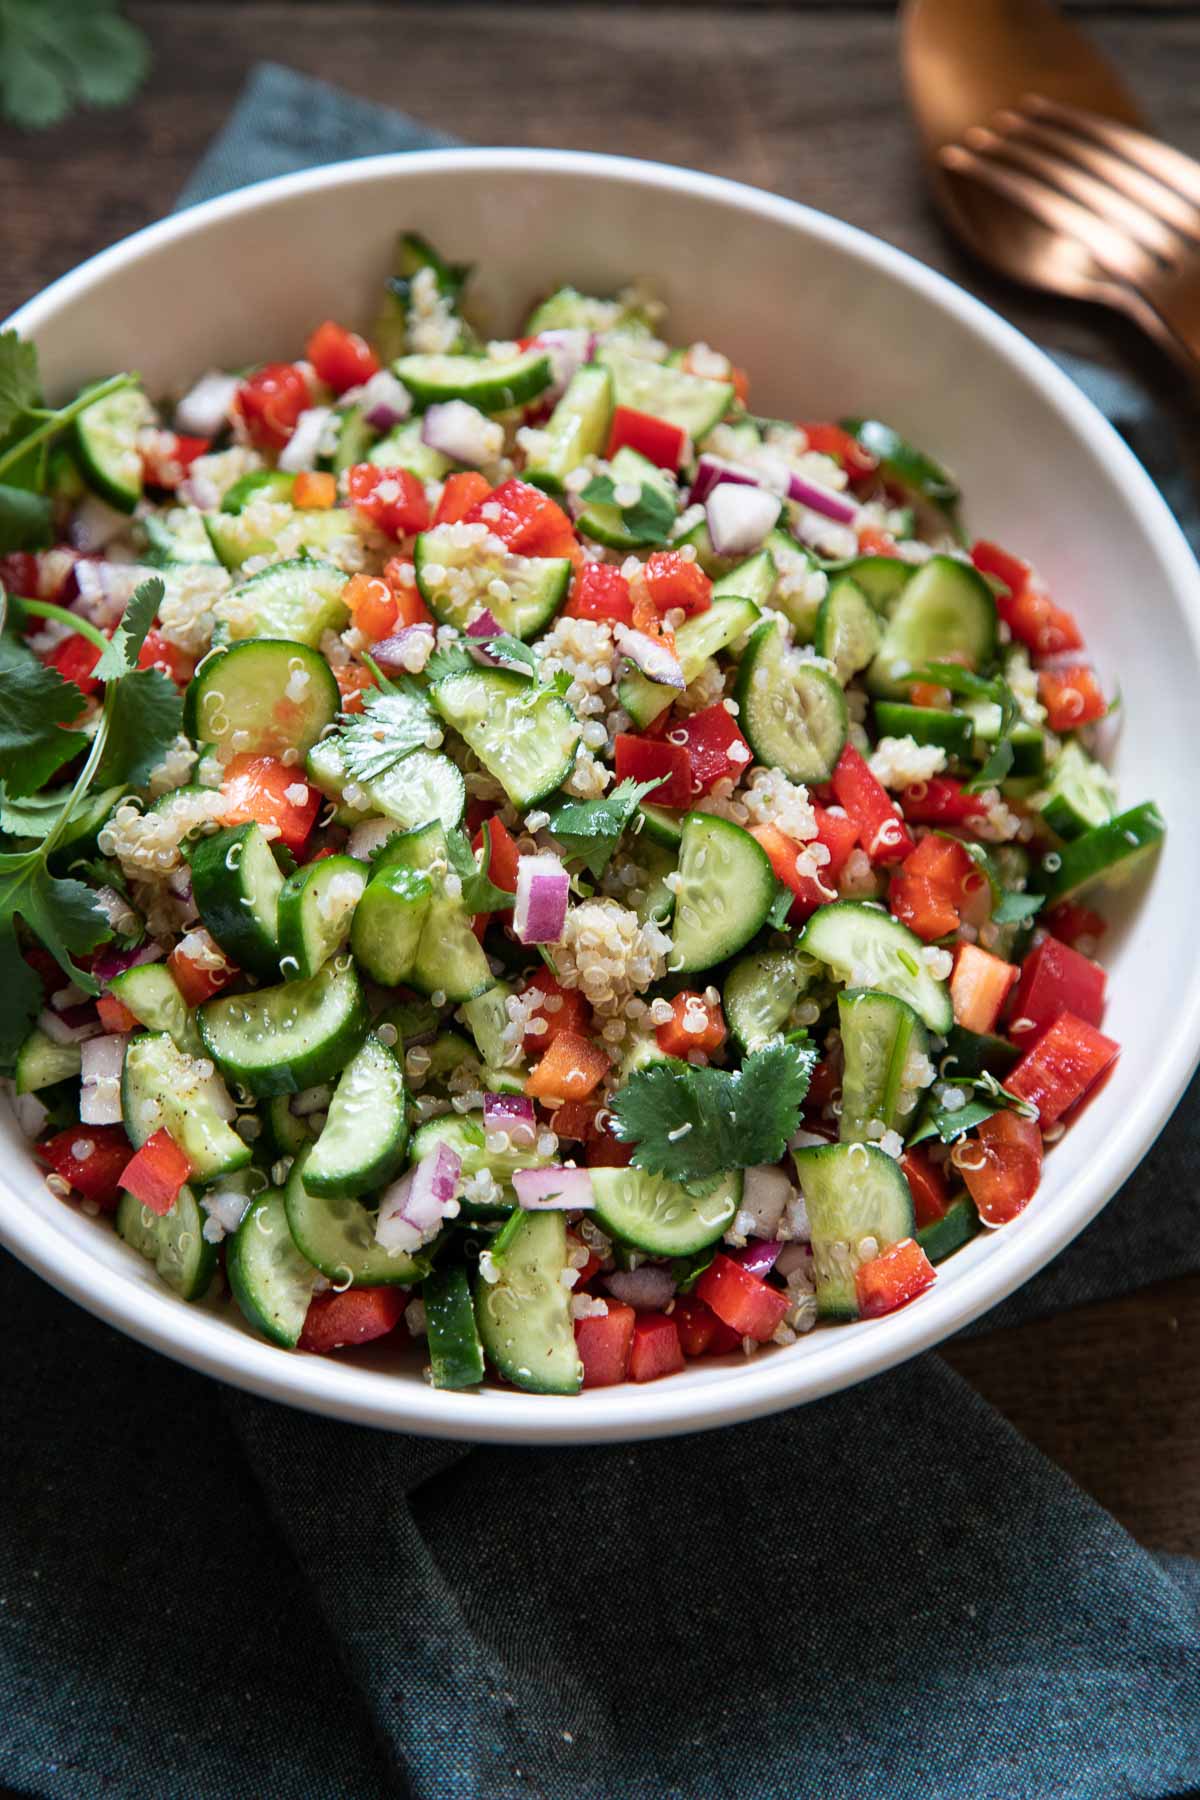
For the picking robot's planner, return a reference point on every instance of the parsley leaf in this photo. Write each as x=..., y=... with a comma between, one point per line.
x=20, y=389
x=694, y=1124
x=389, y=728
x=63, y=914
x=55, y=54
x=479, y=892
x=1014, y=908
x=35, y=706
x=126, y=641
x=147, y=717
x=647, y=521
x=591, y=829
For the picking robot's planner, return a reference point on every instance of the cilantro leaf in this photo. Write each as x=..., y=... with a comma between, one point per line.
x=20, y=388
x=781, y=905
x=647, y=521
x=982, y=1097
x=453, y=660
x=512, y=653
x=694, y=1124
x=57, y=53
x=25, y=519
x=978, y=687
x=35, y=706
x=591, y=829
x=389, y=728
x=479, y=892
x=34, y=818
x=127, y=640
x=1015, y=908
x=64, y=915
x=147, y=717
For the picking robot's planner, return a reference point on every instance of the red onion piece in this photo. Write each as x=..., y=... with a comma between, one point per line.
x=385, y=401
x=367, y=838
x=542, y=889
x=103, y=1058
x=94, y=525
x=226, y=1205
x=791, y=1257
x=109, y=962
x=105, y=589
x=710, y=470
x=390, y=652
x=554, y=1189
x=740, y=517
x=460, y=431
x=648, y=1288
x=654, y=660
x=205, y=408
x=766, y=1193
x=512, y=1114
x=484, y=625
x=822, y=500
x=302, y=448
x=758, y=1257
x=413, y=1208
x=59, y=1031
x=31, y=1115
x=569, y=349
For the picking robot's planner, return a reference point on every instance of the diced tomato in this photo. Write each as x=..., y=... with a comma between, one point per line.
x=673, y=582
x=881, y=833
x=19, y=574
x=940, y=801
x=410, y=608
x=979, y=985
x=167, y=457
x=462, y=491
x=157, y=652
x=600, y=591
x=656, y=1349
x=569, y=1070
x=1001, y=1165
x=341, y=358
x=503, y=857
x=528, y=521
x=833, y=440
x=696, y=1324
x=91, y=1158
x=1054, y=979
x=1060, y=1068
x=824, y=1083
x=197, y=981
x=1071, y=923
x=656, y=439
x=715, y=747
x=260, y=790
x=155, y=1174
x=927, y=1185
x=575, y=1119
x=314, y=490
x=372, y=603
x=872, y=541
x=567, y=1011
x=356, y=1316
x=679, y=1036
x=990, y=559
x=113, y=1015
x=1071, y=697
x=745, y=1302
x=391, y=499
x=604, y=1342
x=270, y=401
x=652, y=759
x=1030, y=615
x=353, y=680
x=892, y=1279
x=75, y=658
x=924, y=906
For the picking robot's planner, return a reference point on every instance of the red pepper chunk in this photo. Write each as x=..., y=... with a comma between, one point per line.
x=836, y=833
x=601, y=592
x=940, y=801
x=75, y=658
x=742, y=1301
x=979, y=986
x=157, y=653
x=570, y=1069
x=1055, y=979
x=656, y=1349
x=392, y=499
x=883, y=835
x=672, y=581
x=1071, y=697
x=677, y=1037
x=604, y=1342
x=114, y=1016
x=696, y=1324
x=357, y=1316
x=270, y=401
x=656, y=439
x=1066, y=1061
x=260, y=790
x=462, y=491
x=1001, y=1165
x=654, y=759
x=892, y=1279
x=341, y=358
x=716, y=749
x=1030, y=615
x=1071, y=923
x=924, y=906
x=835, y=441
x=156, y=1173
x=927, y=1185
x=91, y=1159
x=196, y=981
x=525, y=520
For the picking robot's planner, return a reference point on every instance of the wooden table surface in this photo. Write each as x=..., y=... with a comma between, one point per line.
x=805, y=101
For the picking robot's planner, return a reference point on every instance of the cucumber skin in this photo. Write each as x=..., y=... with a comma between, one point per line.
x=293, y=935
x=372, y=1265
x=288, y=1075
x=957, y=1226
x=1094, y=856
x=214, y=885
x=531, y=1240
x=239, y=1268
x=455, y=1351
x=374, y=1174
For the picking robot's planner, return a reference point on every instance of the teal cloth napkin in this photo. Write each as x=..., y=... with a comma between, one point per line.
x=888, y=1594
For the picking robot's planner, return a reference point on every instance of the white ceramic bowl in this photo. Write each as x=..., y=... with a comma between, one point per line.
x=827, y=321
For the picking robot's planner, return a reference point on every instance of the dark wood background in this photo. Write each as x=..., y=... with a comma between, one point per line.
x=802, y=99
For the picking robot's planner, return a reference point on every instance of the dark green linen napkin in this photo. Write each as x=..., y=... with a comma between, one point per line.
x=888, y=1594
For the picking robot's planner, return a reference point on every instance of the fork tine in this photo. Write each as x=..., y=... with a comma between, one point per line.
x=1164, y=203
x=1096, y=195
x=1147, y=153
x=1110, y=247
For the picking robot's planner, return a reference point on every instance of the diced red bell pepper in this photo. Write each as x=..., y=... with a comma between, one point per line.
x=91, y=1158
x=927, y=1185
x=525, y=519
x=991, y=559
x=567, y=1010
x=571, y=1068
x=270, y=401
x=575, y=1119
x=1068, y=1058
x=716, y=749
x=167, y=456
x=945, y=862
x=462, y=491
x=259, y=789
x=608, y=1152
x=839, y=836
x=654, y=759
x=673, y=581
x=1030, y=615
x=158, y=653
x=745, y=1302
x=314, y=490
x=883, y=835
x=924, y=906
x=600, y=591
x=892, y=1279
x=410, y=608
x=1071, y=697
x=1054, y=979
x=357, y=1316
x=656, y=1349
x=835, y=441
x=198, y=982
x=503, y=855
x=1001, y=1165
x=872, y=541
x=373, y=605
x=341, y=358
x=604, y=1342
x=677, y=1038
x=391, y=499
x=940, y=801
x=75, y=658
x=1072, y=923
x=980, y=983
x=696, y=1324
x=656, y=439
x=353, y=680
x=155, y=1174
x=824, y=1082
x=113, y=1015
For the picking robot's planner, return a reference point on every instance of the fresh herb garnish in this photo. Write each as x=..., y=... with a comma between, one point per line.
x=983, y=1095
x=647, y=521
x=590, y=830
x=37, y=707
x=781, y=905
x=27, y=428
x=512, y=653
x=56, y=54
x=1015, y=909
x=979, y=687
x=479, y=892
x=452, y=660
x=391, y=726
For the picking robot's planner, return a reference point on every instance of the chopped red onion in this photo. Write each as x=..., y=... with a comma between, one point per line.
x=569, y=349
x=822, y=500
x=367, y=838
x=94, y=525
x=653, y=658
x=385, y=401
x=413, y=1208
x=30, y=1114
x=59, y=1031
x=205, y=408
x=758, y=1257
x=542, y=889
x=512, y=1114
x=311, y=1100
x=110, y=962
x=103, y=1059
x=648, y=1289
x=227, y=1206
x=554, y=1189
x=712, y=469
x=302, y=448
x=460, y=431
x=484, y=625
x=766, y=1192
x=739, y=517
x=391, y=653
x=105, y=589
x=791, y=1257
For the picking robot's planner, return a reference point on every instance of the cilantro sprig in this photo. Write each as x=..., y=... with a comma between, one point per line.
x=650, y=517
x=394, y=721
x=979, y=687
x=479, y=892
x=590, y=830
x=56, y=54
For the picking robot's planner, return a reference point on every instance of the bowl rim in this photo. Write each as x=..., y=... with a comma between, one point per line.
x=767, y=1384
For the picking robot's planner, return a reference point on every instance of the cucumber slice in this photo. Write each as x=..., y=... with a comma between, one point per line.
x=236, y=537
x=793, y=714
x=455, y=1352
x=956, y=1227
x=724, y=894
x=289, y=1134
x=946, y=613
x=366, y=1132
x=174, y=1242
x=569, y=310
x=262, y=697
x=658, y=1215
x=881, y=578
x=1080, y=793
x=41, y=1062
x=604, y=522
x=236, y=883
x=316, y=906
x=879, y=1033
x=336, y=1234
x=402, y=449
x=164, y=1089
x=863, y=946
x=696, y=640
x=423, y=786
x=759, y=993
x=953, y=732
x=106, y=444
x=525, y=735
x=1028, y=741
x=651, y=897
x=847, y=632
x=487, y=1017
x=153, y=996
x=388, y=923
x=455, y=573
x=576, y=429
x=754, y=579
x=692, y=402
x=697, y=536
x=350, y=440
x=325, y=768
x=660, y=825
x=281, y=1040
x=269, y=1279
x=493, y=384
x=258, y=484
x=970, y=1053
x=299, y=601
x=853, y=1192
x=905, y=464
x=1111, y=853
x=450, y=960
x=800, y=583
x=524, y=1318
x=177, y=536
x=402, y=306
x=448, y=1053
